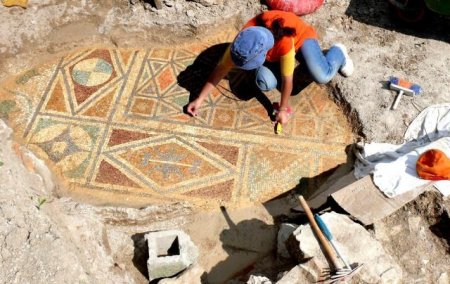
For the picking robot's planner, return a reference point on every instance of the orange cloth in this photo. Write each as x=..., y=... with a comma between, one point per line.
x=433, y=165
x=283, y=45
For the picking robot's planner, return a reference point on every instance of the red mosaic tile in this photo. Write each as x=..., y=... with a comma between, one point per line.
x=109, y=174
x=121, y=136
x=229, y=153
x=217, y=192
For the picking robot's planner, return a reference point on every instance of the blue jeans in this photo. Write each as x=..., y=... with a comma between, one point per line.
x=322, y=67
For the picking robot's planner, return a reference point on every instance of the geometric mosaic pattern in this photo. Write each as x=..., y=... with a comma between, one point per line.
x=110, y=123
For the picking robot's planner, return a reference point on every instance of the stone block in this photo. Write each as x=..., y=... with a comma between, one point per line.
x=257, y=279
x=170, y=252
x=356, y=244
x=307, y=272
x=285, y=231
x=192, y=275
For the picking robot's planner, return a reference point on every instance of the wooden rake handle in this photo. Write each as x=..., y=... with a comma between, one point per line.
x=329, y=253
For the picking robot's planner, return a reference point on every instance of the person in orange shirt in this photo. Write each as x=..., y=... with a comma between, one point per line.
x=276, y=36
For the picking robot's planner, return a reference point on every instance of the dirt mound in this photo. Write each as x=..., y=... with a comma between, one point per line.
x=417, y=236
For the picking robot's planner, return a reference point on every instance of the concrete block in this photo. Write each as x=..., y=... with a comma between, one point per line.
x=170, y=252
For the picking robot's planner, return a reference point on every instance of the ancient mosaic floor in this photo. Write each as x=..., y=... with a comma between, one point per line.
x=110, y=123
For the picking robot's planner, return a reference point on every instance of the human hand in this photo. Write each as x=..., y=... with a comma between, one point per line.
x=283, y=116
x=193, y=107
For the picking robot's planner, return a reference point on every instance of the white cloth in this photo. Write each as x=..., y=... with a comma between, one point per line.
x=394, y=166
x=431, y=124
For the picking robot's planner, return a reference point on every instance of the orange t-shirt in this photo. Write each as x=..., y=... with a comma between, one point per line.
x=283, y=45
x=284, y=48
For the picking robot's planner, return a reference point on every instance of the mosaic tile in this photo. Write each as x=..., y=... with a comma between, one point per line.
x=222, y=192
x=125, y=56
x=229, y=153
x=6, y=107
x=110, y=175
x=121, y=136
x=169, y=164
x=224, y=118
x=23, y=79
x=165, y=79
x=143, y=106
x=111, y=123
x=86, y=80
x=57, y=101
x=161, y=54
x=305, y=126
x=101, y=107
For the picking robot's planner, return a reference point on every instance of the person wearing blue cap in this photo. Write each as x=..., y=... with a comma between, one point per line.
x=276, y=36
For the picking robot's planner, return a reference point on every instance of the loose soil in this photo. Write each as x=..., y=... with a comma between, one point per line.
x=379, y=46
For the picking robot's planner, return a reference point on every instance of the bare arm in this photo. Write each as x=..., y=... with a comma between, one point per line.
x=287, y=64
x=286, y=91
x=218, y=74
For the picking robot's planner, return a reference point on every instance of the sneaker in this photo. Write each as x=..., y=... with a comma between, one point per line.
x=347, y=68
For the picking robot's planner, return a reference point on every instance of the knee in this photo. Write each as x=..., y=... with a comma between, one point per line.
x=265, y=80
x=322, y=79
x=320, y=74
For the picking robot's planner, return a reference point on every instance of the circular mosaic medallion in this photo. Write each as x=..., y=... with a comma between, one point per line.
x=92, y=72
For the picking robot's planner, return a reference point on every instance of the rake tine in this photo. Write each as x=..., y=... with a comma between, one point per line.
x=325, y=275
x=343, y=271
x=322, y=280
x=335, y=277
x=339, y=271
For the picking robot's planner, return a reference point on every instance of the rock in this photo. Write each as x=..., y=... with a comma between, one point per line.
x=356, y=244
x=293, y=248
x=158, y=4
x=443, y=278
x=170, y=252
x=178, y=7
x=208, y=3
x=258, y=280
x=148, y=6
x=414, y=224
x=169, y=3
x=307, y=272
x=190, y=275
x=190, y=13
x=285, y=231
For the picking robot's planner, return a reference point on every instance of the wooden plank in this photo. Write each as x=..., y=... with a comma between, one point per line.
x=364, y=201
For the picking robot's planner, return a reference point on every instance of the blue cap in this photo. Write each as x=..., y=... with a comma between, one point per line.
x=249, y=48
